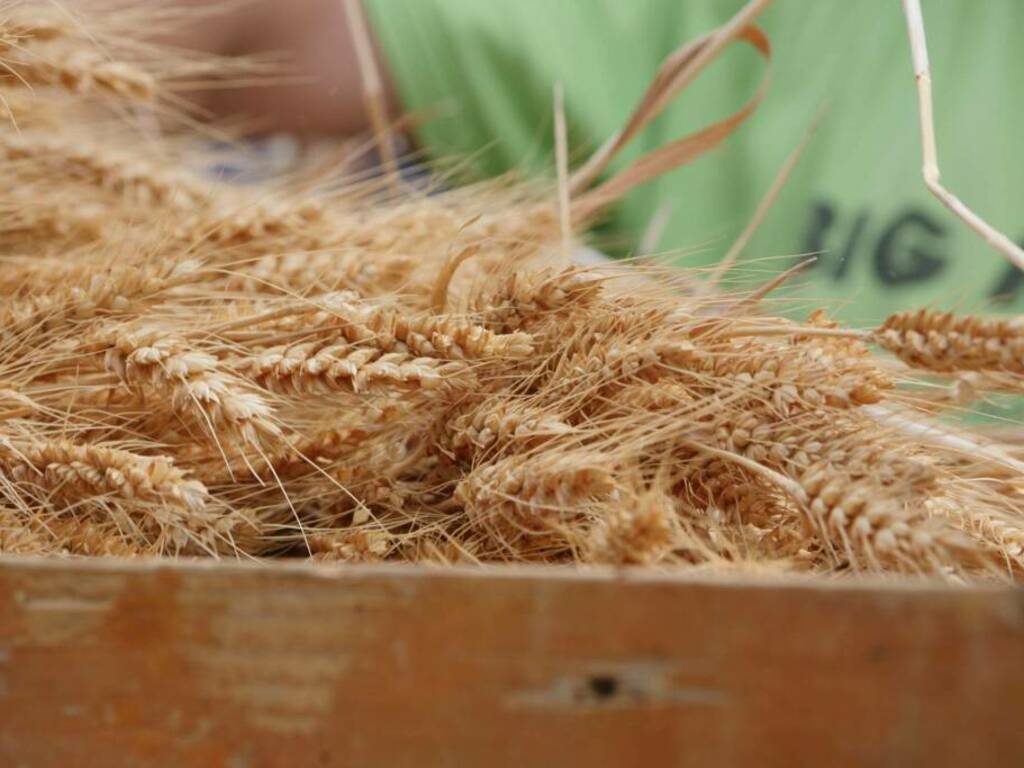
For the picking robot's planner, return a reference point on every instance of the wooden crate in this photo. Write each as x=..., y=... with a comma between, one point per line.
x=113, y=663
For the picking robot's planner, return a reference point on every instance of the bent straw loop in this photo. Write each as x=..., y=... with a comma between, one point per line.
x=644, y=112
x=929, y=153
x=679, y=69
x=676, y=153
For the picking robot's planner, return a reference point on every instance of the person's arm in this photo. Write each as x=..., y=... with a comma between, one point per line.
x=320, y=89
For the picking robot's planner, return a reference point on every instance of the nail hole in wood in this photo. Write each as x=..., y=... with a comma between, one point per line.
x=603, y=686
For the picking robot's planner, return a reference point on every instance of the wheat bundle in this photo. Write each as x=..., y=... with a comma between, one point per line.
x=329, y=371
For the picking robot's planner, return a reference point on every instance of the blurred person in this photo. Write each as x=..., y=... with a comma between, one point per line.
x=856, y=197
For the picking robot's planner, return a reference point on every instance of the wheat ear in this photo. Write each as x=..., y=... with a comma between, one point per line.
x=941, y=341
x=194, y=384
x=90, y=471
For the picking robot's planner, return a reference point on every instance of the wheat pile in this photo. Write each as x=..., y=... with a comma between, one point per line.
x=334, y=370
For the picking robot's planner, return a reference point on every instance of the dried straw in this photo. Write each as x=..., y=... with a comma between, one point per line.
x=288, y=370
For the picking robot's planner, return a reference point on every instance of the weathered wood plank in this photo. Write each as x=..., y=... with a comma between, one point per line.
x=128, y=664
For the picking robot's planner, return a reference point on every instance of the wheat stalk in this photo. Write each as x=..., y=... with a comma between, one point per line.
x=101, y=293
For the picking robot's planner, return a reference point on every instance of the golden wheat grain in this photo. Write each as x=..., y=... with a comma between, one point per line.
x=306, y=455
x=356, y=545
x=83, y=536
x=19, y=536
x=641, y=530
x=719, y=489
x=859, y=487
x=946, y=342
x=534, y=490
x=267, y=222
x=870, y=522
x=88, y=471
x=80, y=70
x=320, y=272
x=447, y=337
x=808, y=375
x=308, y=379
x=612, y=365
x=645, y=396
x=120, y=172
x=521, y=297
x=318, y=368
x=31, y=219
x=25, y=24
x=494, y=424
x=193, y=384
x=438, y=548
x=101, y=292
x=345, y=314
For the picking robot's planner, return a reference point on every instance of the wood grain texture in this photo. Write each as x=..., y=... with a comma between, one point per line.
x=107, y=663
